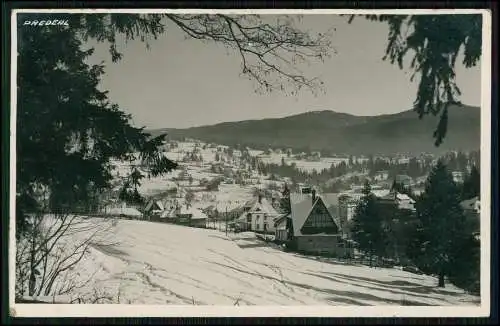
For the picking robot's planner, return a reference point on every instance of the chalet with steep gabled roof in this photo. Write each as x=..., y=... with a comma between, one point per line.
x=315, y=227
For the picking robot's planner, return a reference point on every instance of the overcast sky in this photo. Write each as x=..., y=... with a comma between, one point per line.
x=182, y=83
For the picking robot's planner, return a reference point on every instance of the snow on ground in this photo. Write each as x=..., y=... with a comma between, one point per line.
x=174, y=155
x=255, y=152
x=208, y=154
x=303, y=165
x=199, y=174
x=233, y=192
x=323, y=164
x=155, y=263
x=154, y=185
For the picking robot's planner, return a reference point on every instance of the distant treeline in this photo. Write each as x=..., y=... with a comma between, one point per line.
x=331, y=179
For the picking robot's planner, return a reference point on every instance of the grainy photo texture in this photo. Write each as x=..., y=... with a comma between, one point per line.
x=248, y=159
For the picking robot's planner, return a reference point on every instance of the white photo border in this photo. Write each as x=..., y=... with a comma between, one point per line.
x=125, y=310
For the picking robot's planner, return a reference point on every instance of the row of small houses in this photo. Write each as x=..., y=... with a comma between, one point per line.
x=406, y=180
x=176, y=213
x=158, y=211
x=317, y=224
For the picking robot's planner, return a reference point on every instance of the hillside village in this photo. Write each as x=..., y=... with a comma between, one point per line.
x=228, y=189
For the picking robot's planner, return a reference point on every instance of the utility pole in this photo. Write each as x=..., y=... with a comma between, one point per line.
x=220, y=226
x=226, y=221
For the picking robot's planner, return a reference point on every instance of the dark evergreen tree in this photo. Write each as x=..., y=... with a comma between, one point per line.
x=442, y=224
x=129, y=192
x=414, y=168
x=472, y=184
x=68, y=132
x=367, y=228
x=285, y=204
x=189, y=197
x=462, y=162
x=466, y=264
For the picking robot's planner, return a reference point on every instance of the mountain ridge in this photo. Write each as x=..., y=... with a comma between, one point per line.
x=330, y=131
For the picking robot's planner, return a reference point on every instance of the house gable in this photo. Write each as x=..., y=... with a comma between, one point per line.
x=319, y=220
x=158, y=206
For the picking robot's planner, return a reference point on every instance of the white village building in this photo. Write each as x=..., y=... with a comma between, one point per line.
x=258, y=215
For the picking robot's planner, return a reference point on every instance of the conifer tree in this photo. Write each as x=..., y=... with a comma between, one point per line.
x=68, y=130
x=285, y=200
x=442, y=224
x=472, y=184
x=367, y=227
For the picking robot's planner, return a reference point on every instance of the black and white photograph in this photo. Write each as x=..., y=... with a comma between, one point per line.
x=286, y=160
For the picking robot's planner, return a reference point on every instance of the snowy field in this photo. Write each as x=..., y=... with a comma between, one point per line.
x=229, y=197
x=303, y=165
x=233, y=192
x=154, y=263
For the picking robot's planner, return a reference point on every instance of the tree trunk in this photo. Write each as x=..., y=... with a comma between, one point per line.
x=441, y=280
x=32, y=278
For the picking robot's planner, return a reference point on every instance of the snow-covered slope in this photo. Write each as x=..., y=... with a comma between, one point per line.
x=156, y=263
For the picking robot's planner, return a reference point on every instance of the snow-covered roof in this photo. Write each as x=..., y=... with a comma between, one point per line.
x=404, y=197
x=127, y=211
x=281, y=219
x=264, y=206
x=353, y=195
x=184, y=210
x=403, y=177
x=151, y=204
x=198, y=214
x=403, y=200
x=470, y=204
x=172, y=212
x=168, y=213
x=227, y=206
x=381, y=193
x=260, y=207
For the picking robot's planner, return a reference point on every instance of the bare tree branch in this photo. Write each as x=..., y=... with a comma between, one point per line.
x=50, y=256
x=259, y=44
